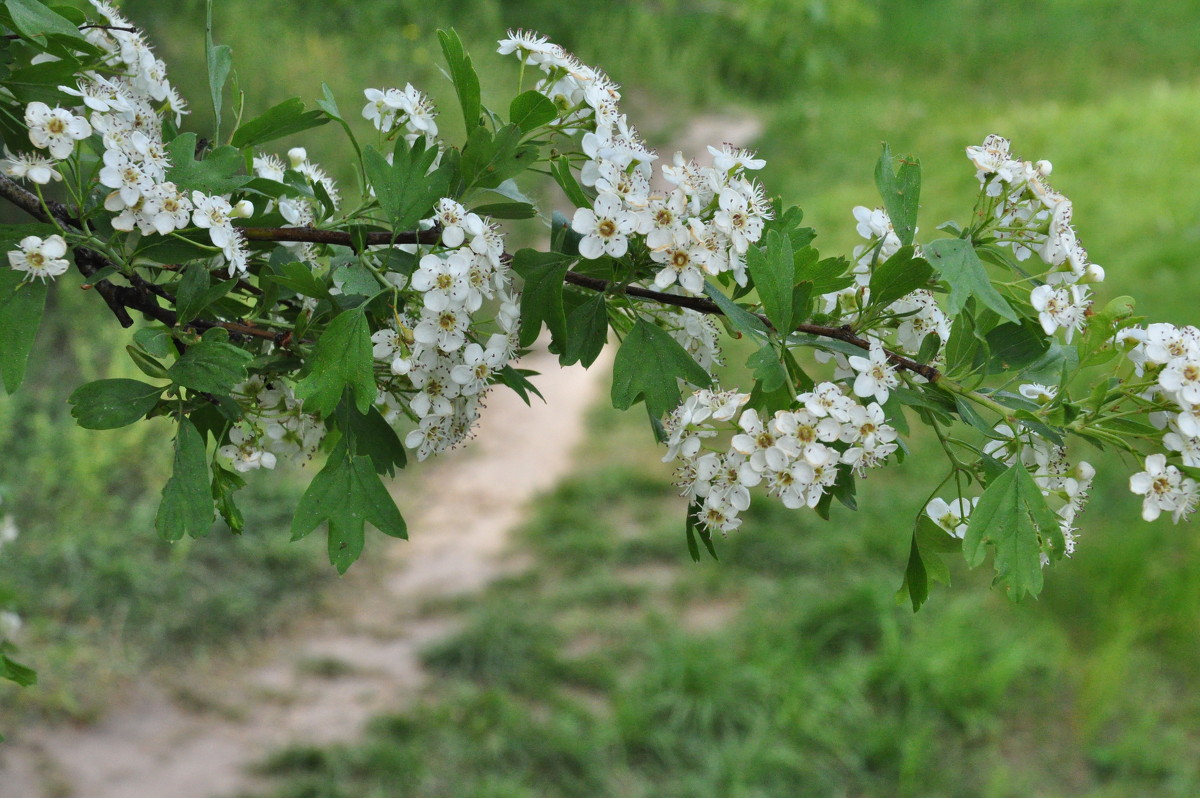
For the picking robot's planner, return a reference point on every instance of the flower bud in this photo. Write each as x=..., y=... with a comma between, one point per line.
x=1094, y=273
x=243, y=210
x=297, y=155
x=1044, y=168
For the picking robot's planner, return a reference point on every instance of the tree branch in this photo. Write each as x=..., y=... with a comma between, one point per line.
x=699, y=304
x=120, y=299
x=310, y=235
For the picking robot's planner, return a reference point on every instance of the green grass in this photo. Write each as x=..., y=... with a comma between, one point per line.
x=615, y=666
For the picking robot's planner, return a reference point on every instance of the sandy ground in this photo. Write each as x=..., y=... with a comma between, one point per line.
x=194, y=735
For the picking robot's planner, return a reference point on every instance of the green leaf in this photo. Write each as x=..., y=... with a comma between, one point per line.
x=929, y=542
x=34, y=20
x=405, y=189
x=517, y=380
x=962, y=345
x=355, y=279
x=743, y=320
x=346, y=494
x=342, y=359
x=276, y=122
x=368, y=434
x=299, y=277
x=647, y=366
x=541, y=299
x=956, y=263
x=211, y=366
x=916, y=579
x=1014, y=346
x=219, y=61
x=488, y=161
x=506, y=210
x=827, y=276
x=968, y=413
x=901, y=193
x=195, y=294
x=768, y=371
x=898, y=277
x=562, y=174
x=773, y=271
x=108, y=404
x=21, y=306
x=154, y=340
x=216, y=174
x=690, y=524
x=14, y=671
x=224, y=484
x=462, y=73
x=1010, y=515
x=187, y=502
x=587, y=332
x=530, y=110
x=1050, y=368
x=146, y=364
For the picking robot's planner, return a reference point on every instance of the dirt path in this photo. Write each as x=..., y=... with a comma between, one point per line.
x=192, y=735
x=325, y=678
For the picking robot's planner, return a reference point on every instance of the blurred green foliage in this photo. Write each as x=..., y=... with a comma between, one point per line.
x=614, y=666
x=101, y=595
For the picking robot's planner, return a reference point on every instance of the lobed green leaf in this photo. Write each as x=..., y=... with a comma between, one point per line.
x=187, y=501
x=647, y=367
x=113, y=403
x=342, y=359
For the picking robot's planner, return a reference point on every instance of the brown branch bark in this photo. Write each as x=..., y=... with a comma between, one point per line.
x=141, y=295
x=310, y=235
x=699, y=304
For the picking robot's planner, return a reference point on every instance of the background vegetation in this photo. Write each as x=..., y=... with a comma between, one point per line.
x=787, y=668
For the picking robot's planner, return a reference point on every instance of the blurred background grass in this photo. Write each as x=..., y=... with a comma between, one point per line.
x=786, y=669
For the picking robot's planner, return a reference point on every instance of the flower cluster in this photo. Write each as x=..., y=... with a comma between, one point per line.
x=910, y=318
x=1170, y=356
x=297, y=211
x=439, y=368
x=388, y=109
x=796, y=454
x=126, y=102
x=273, y=425
x=1032, y=218
x=700, y=228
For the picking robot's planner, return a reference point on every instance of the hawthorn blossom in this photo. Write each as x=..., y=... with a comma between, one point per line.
x=480, y=365
x=34, y=167
x=1182, y=377
x=876, y=376
x=1163, y=488
x=1063, y=307
x=605, y=228
x=443, y=281
x=1037, y=392
x=40, y=258
x=245, y=452
x=213, y=214
x=530, y=47
x=730, y=158
x=953, y=516
x=56, y=129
